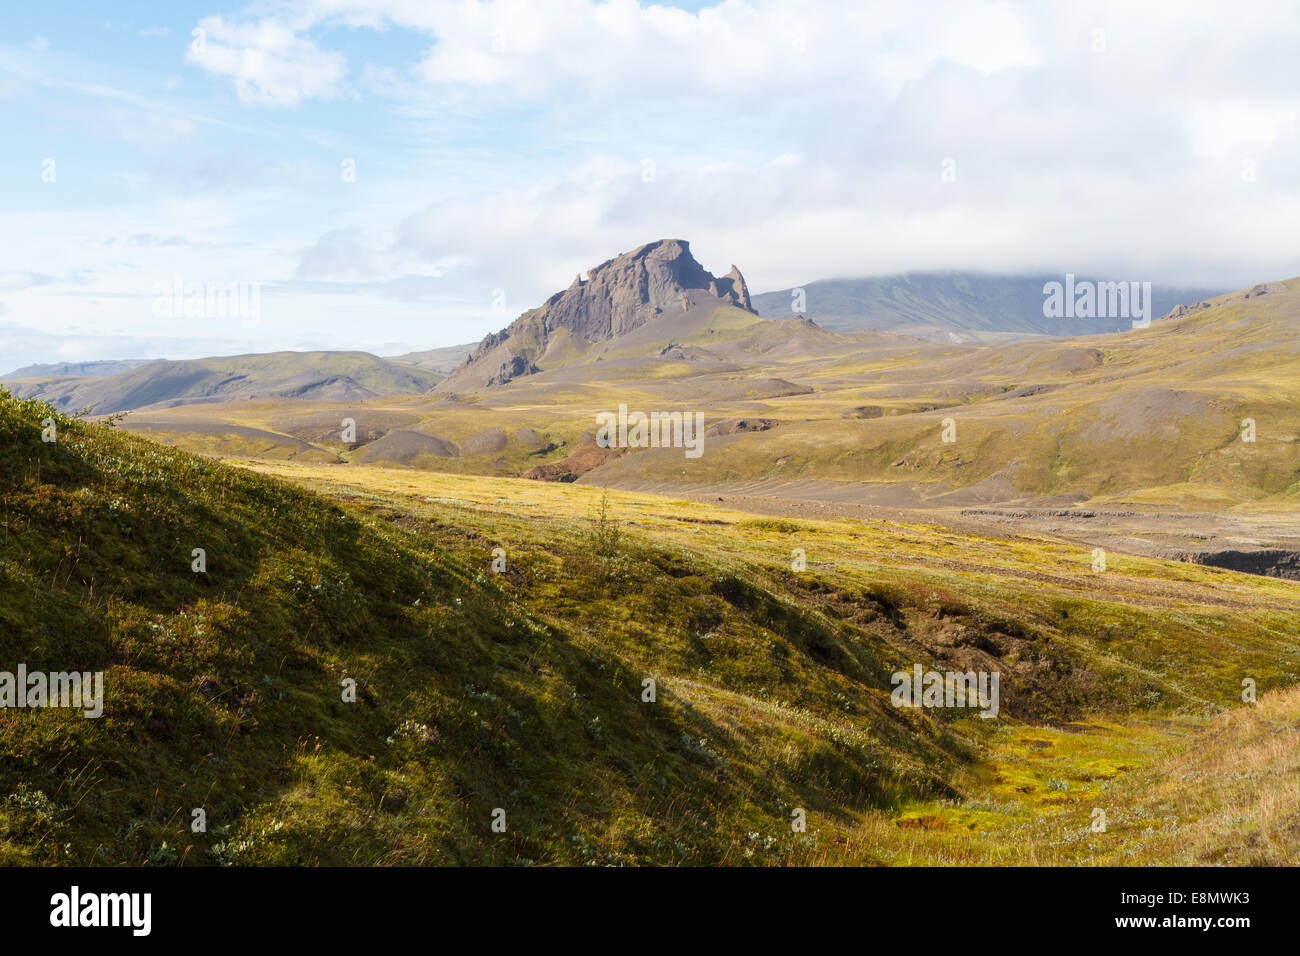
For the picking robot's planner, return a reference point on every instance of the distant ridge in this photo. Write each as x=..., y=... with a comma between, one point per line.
x=955, y=306
x=78, y=369
x=441, y=360
x=322, y=376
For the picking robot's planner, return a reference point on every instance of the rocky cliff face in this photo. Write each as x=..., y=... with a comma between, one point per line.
x=617, y=297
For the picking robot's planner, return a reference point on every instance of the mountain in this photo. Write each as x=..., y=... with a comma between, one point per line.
x=954, y=306
x=323, y=376
x=659, y=284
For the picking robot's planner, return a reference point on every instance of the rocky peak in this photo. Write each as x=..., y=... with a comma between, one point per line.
x=617, y=297
x=625, y=292
x=732, y=286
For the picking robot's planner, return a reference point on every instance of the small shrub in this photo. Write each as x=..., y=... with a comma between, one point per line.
x=605, y=535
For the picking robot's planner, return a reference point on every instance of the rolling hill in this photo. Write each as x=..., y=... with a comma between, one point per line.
x=326, y=376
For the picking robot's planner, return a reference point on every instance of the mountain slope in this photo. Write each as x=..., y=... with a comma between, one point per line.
x=956, y=306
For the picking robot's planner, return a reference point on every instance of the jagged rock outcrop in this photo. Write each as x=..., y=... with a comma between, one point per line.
x=1264, y=288
x=732, y=286
x=617, y=297
x=1254, y=292
x=1182, y=311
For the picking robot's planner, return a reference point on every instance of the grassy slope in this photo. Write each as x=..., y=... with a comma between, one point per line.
x=1136, y=657
x=223, y=690
x=523, y=690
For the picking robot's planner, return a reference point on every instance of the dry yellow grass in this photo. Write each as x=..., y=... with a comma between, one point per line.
x=1223, y=792
x=1231, y=796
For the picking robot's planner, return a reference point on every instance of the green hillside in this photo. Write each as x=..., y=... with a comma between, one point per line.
x=223, y=689
x=523, y=690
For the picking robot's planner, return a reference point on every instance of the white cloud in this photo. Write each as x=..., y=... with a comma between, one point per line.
x=601, y=50
x=270, y=64
x=1222, y=130
x=17, y=281
x=339, y=254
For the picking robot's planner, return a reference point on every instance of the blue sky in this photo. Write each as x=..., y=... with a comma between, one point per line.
x=501, y=147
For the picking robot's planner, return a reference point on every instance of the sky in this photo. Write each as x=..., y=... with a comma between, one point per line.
x=394, y=175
